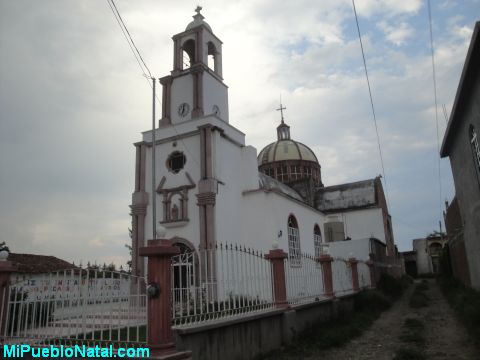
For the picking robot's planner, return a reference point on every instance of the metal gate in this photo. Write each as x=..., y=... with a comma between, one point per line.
x=77, y=306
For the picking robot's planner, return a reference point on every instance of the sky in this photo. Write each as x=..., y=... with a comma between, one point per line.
x=73, y=101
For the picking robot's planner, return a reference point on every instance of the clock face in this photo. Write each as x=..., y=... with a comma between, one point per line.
x=216, y=110
x=183, y=109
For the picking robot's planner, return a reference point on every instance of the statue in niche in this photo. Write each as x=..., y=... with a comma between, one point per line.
x=174, y=212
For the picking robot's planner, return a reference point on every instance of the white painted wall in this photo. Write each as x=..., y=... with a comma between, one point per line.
x=215, y=93
x=424, y=265
x=363, y=223
x=182, y=91
x=358, y=248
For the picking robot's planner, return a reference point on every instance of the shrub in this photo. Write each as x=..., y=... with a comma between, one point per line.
x=390, y=286
x=371, y=301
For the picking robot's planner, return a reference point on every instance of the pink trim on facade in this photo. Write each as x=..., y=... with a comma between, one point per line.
x=277, y=257
x=326, y=262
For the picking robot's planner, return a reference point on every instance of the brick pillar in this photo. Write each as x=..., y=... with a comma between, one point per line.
x=353, y=265
x=6, y=268
x=160, y=336
x=276, y=257
x=373, y=282
x=326, y=262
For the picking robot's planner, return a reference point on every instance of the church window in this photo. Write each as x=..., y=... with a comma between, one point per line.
x=317, y=241
x=475, y=149
x=296, y=172
x=307, y=170
x=294, y=253
x=176, y=161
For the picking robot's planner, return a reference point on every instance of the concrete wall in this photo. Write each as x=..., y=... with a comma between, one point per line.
x=249, y=336
x=424, y=265
x=467, y=182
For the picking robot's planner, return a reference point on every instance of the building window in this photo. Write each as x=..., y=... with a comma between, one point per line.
x=294, y=253
x=317, y=241
x=296, y=172
x=475, y=149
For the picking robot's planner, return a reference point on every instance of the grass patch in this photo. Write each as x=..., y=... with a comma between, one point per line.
x=413, y=332
x=409, y=354
x=466, y=303
x=367, y=308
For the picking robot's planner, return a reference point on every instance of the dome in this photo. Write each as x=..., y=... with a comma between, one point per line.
x=198, y=20
x=285, y=150
x=287, y=160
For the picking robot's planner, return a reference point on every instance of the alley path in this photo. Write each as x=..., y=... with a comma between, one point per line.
x=445, y=337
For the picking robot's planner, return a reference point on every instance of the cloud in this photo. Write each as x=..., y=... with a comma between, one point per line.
x=397, y=34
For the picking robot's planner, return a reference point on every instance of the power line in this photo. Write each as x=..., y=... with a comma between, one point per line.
x=371, y=101
x=436, y=107
x=130, y=37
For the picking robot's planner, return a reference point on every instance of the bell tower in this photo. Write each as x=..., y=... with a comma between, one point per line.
x=195, y=87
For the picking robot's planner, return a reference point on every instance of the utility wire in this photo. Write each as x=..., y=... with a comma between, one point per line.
x=436, y=108
x=130, y=37
x=371, y=101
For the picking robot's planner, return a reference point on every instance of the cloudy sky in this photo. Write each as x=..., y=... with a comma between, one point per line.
x=73, y=101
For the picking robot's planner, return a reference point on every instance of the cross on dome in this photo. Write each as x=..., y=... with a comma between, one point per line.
x=281, y=108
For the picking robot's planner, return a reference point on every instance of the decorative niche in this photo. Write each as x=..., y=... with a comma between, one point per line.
x=175, y=203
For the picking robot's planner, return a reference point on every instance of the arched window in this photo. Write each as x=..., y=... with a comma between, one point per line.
x=317, y=241
x=188, y=54
x=294, y=251
x=475, y=150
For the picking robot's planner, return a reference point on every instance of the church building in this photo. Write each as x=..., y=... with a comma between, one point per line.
x=210, y=187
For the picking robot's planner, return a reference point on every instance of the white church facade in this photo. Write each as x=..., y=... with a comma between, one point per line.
x=212, y=188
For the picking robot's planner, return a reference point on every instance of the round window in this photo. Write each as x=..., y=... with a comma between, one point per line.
x=176, y=161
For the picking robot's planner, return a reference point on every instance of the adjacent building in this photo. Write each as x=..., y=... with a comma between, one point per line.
x=462, y=145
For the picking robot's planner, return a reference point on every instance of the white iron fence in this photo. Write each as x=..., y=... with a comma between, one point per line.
x=76, y=306
x=304, y=280
x=220, y=282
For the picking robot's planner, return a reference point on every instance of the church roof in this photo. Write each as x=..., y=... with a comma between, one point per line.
x=268, y=183
x=348, y=196
x=285, y=150
x=35, y=264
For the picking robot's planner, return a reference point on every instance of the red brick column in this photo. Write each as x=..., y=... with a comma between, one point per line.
x=6, y=268
x=276, y=257
x=353, y=265
x=373, y=282
x=160, y=336
x=326, y=261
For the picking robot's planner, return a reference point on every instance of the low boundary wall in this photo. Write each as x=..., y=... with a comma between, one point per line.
x=248, y=336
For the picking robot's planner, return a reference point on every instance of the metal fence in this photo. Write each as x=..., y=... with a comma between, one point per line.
x=77, y=306
x=304, y=280
x=224, y=281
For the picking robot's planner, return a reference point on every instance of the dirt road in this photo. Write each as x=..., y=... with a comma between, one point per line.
x=445, y=337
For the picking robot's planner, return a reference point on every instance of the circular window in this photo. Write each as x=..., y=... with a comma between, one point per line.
x=176, y=161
